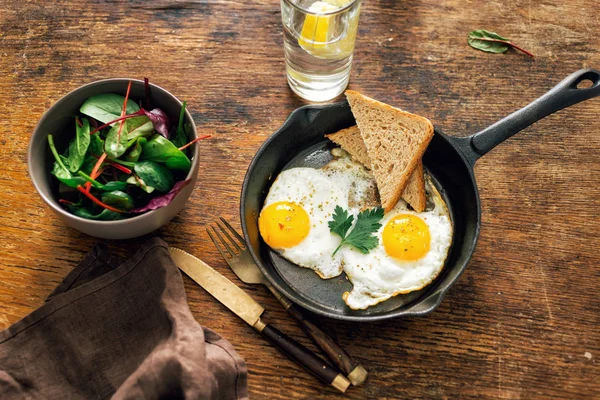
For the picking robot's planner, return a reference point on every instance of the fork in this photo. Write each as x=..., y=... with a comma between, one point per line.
x=235, y=252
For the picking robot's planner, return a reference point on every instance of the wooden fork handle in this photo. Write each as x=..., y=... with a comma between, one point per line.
x=356, y=373
x=309, y=360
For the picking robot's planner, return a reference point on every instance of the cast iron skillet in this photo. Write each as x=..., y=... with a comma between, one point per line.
x=449, y=160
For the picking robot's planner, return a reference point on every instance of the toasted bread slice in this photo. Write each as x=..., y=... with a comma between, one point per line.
x=350, y=140
x=395, y=140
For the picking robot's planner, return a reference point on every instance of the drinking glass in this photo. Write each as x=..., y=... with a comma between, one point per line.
x=319, y=41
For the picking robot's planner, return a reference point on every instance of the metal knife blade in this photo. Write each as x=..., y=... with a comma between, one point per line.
x=244, y=306
x=218, y=286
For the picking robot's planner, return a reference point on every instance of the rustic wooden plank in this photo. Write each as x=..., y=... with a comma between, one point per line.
x=522, y=320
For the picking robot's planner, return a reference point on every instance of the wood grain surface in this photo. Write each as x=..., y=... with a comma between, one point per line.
x=523, y=320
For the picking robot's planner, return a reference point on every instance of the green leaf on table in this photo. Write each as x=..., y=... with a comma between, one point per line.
x=361, y=237
x=79, y=145
x=161, y=150
x=480, y=39
x=118, y=199
x=155, y=175
x=117, y=144
x=107, y=107
x=491, y=42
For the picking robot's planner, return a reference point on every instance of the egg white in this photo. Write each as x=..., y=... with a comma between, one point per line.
x=319, y=191
x=377, y=276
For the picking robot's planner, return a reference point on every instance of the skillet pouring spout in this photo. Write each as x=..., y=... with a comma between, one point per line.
x=563, y=95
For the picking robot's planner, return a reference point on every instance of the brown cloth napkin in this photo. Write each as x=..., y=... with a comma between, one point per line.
x=122, y=331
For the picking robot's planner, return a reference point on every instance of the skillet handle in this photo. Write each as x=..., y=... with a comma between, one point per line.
x=563, y=95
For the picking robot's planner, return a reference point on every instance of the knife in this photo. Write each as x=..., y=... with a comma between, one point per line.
x=247, y=270
x=245, y=307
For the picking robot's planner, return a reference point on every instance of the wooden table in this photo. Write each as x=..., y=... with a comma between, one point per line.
x=523, y=320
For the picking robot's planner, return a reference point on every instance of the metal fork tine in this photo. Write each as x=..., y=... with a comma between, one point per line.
x=225, y=242
x=241, y=240
x=222, y=249
x=232, y=240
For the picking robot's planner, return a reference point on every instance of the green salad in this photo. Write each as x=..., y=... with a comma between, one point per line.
x=124, y=160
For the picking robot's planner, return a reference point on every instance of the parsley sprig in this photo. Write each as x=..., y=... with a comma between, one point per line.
x=361, y=237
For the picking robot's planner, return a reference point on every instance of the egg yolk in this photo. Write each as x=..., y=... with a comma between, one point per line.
x=283, y=224
x=406, y=237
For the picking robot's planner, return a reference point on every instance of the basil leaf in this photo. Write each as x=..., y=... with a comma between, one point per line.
x=104, y=215
x=79, y=145
x=133, y=128
x=119, y=199
x=107, y=107
x=155, y=175
x=163, y=151
x=477, y=40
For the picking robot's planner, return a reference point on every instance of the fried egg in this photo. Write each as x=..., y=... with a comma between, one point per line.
x=411, y=253
x=412, y=247
x=301, y=201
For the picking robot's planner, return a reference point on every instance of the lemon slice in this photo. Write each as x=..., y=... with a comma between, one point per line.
x=317, y=33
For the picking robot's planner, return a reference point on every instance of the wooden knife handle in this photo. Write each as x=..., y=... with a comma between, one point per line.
x=355, y=372
x=309, y=360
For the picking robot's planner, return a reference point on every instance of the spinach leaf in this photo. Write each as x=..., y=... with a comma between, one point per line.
x=79, y=145
x=105, y=215
x=96, y=145
x=59, y=169
x=164, y=200
x=132, y=180
x=107, y=107
x=119, y=199
x=108, y=187
x=133, y=128
x=136, y=150
x=88, y=164
x=161, y=150
x=114, y=185
x=155, y=175
x=181, y=133
x=65, y=176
